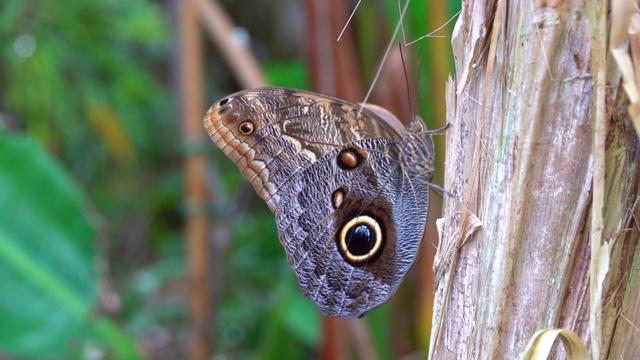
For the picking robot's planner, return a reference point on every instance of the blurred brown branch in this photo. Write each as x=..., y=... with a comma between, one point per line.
x=233, y=47
x=195, y=192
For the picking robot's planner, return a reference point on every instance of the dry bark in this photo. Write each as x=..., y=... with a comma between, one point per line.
x=523, y=160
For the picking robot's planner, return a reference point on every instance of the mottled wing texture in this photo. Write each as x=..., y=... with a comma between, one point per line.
x=288, y=144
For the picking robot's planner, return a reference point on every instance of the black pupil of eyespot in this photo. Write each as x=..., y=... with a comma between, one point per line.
x=246, y=128
x=360, y=240
x=224, y=102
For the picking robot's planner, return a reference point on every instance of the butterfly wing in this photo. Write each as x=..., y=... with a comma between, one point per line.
x=349, y=206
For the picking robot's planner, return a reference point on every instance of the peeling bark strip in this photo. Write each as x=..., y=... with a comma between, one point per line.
x=520, y=157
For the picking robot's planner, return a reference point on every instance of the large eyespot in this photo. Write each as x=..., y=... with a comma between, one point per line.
x=246, y=128
x=360, y=240
x=349, y=158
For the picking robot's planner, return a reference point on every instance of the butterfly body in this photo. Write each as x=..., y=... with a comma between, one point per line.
x=349, y=188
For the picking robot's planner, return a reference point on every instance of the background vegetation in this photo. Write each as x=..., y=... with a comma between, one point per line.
x=92, y=254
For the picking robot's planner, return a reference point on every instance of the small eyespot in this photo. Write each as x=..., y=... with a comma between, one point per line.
x=224, y=101
x=360, y=240
x=246, y=128
x=349, y=159
x=338, y=197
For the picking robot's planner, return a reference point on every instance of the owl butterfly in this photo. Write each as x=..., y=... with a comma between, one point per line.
x=349, y=187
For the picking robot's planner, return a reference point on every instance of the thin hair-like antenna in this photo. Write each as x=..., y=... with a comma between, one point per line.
x=415, y=93
x=404, y=37
x=384, y=58
x=406, y=79
x=434, y=31
x=348, y=20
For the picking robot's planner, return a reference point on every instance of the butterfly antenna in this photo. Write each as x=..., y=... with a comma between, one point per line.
x=384, y=58
x=415, y=93
x=406, y=80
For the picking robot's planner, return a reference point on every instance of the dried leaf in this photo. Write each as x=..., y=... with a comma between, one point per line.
x=542, y=342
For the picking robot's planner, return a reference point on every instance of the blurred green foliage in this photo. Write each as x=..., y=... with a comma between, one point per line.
x=100, y=217
x=48, y=281
x=88, y=80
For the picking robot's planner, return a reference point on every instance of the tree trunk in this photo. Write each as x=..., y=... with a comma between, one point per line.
x=543, y=163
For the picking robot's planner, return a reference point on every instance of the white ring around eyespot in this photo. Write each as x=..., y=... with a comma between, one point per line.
x=362, y=219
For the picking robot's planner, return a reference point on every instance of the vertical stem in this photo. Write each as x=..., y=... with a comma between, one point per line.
x=190, y=58
x=438, y=69
x=333, y=345
x=597, y=17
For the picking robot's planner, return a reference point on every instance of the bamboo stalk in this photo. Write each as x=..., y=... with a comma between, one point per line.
x=221, y=29
x=196, y=233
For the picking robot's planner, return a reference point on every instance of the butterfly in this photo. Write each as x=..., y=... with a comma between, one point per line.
x=348, y=185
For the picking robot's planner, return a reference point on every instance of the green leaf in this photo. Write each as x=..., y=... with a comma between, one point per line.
x=302, y=321
x=48, y=283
